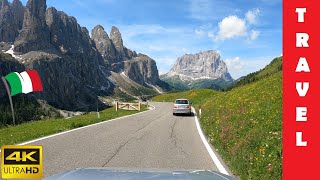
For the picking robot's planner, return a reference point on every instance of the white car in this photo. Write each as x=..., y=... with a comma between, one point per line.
x=182, y=106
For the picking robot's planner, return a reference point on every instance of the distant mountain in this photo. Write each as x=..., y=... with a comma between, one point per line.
x=201, y=70
x=76, y=69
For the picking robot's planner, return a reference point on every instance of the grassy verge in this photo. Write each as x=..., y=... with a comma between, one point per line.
x=36, y=129
x=244, y=125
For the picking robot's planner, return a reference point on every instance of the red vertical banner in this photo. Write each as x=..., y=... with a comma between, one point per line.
x=301, y=89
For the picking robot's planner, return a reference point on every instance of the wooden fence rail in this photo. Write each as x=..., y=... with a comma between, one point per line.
x=128, y=106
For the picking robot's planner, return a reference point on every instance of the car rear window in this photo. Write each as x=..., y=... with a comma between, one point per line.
x=182, y=102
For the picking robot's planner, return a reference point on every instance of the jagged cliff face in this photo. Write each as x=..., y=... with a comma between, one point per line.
x=203, y=65
x=73, y=72
x=140, y=68
x=35, y=34
x=112, y=49
x=11, y=20
x=104, y=45
x=75, y=69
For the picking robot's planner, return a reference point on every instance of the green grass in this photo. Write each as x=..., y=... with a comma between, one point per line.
x=244, y=125
x=31, y=130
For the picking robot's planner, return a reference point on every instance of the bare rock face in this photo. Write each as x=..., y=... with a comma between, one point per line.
x=203, y=65
x=11, y=20
x=18, y=14
x=104, y=45
x=34, y=35
x=72, y=71
x=68, y=83
x=142, y=69
x=112, y=49
x=116, y=38
x=74, y=68
x=66, y=35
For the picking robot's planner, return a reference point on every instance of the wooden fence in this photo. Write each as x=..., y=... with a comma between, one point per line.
x=128, y=106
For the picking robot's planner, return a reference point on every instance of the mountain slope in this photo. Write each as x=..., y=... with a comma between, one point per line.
x=75, y=69
x=244, y=124
x=274, y=67
x=138, y=67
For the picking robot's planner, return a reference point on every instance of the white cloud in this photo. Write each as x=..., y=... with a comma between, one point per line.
x=230, y=27
x=254, y=35
x=252, y=15
x=234, y=65
x=239, y=67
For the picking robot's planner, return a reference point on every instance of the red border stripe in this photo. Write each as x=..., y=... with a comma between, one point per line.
x=36, y=81
x=301, y=162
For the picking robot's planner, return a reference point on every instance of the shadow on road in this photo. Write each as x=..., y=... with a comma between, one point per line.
x=185, y=115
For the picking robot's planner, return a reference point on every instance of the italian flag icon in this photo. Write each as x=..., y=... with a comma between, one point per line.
x=25, y=82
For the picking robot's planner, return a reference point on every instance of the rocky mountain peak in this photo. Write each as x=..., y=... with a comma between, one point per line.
x=203, y=65
x=18, y=14
x=35, y=14
x=4, y=10
x=11, y=19
x=98, y=32
x=104, y=45
x=116, y=38
x=4, y=3
x=34, y=34
x=17, y=3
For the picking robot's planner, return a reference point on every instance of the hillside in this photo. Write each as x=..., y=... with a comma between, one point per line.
x=274, y=67
x=244, y=124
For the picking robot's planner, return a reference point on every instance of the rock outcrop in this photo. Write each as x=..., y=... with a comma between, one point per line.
x=11, y=20
x=35, y=34
x=104, y=45
x=142, y=69
x=73, y=72
x=74, y=68
x=112, y=49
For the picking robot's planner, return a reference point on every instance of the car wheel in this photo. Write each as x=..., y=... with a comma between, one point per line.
x=174, y=114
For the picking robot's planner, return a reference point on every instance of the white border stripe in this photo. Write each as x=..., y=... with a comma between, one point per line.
x=26, y=83
x=213, y=156
x=65, y=132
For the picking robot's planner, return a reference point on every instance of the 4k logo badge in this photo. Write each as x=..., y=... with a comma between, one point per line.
x=21, y=162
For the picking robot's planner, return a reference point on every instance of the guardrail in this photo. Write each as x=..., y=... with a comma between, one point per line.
x=128, y=106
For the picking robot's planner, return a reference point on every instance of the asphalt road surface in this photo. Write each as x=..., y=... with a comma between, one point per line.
x=152, y=139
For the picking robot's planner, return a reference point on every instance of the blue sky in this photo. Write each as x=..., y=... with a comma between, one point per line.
x=247, y=33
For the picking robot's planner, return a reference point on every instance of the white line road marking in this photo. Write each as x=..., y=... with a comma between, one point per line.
x=65, y=132
x=213, y=156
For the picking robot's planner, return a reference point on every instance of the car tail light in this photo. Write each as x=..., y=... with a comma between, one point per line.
x=175, y=106
x=188, y=107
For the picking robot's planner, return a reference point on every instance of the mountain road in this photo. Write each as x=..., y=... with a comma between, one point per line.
x=147, y=140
